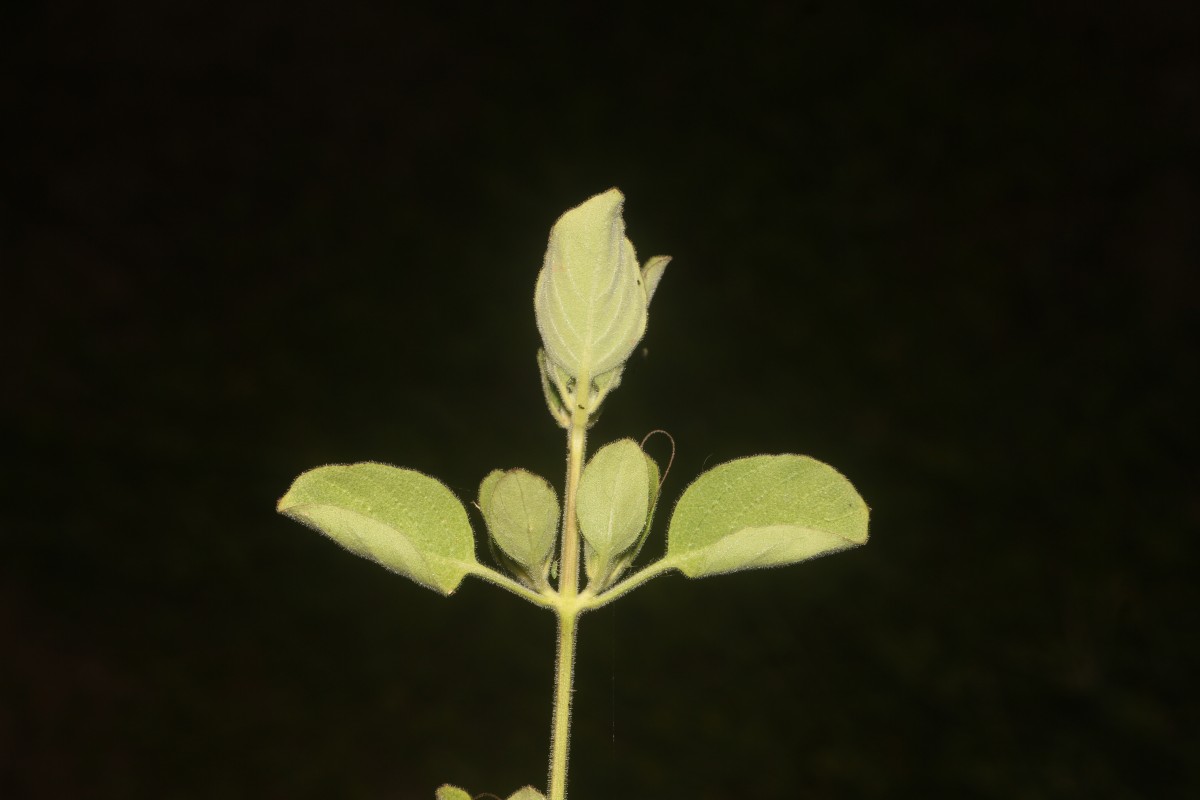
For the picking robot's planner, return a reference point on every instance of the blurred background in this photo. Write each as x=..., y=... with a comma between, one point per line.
x=948, y=249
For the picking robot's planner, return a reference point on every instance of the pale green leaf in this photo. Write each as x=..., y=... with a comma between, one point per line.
x=521, y=511
x=613, y=501
x=486, y=487
x=448, y=792
x=621, y=562
x=653, y=477
x=528, y=793
x=555, y=401
x=606, y=382
x=402, y=519
x=652, y=273
x=589, y=300
x=764, y=511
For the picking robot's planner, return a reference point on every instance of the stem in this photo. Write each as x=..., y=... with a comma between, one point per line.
x=561, y=732
x=568, y=609
x=568, y=580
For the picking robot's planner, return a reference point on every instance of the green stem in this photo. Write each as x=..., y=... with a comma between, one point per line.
x=568, y=609
x=568, y=577
x=561, y=734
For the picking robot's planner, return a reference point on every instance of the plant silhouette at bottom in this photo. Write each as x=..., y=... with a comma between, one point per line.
x=591, y=302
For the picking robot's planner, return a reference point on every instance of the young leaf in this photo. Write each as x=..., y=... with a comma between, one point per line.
x=554, y=396
x=616, y=568
x=528, y=793
x=448, y=792
x=400, y=518
x=764, y=511
x=589, y=301
x=521, y=512
x=613, y=501
x=606, y=382
x=486, y=487
x=652, y=273
x=626, y=558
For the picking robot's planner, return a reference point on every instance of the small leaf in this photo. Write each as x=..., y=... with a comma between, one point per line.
x=764, y=511
x=521, y=511
x=486, y=487
x=628, y=557
x=613, y=501
x=528, y=793
x=606, y=382
x=402, y=519
x=590, y=303
x=554, y=399
x=652, y=273
x=621, y=562
x=448, y=792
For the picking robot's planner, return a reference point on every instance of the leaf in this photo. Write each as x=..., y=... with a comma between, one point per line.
x=652, y=273
x=448, y=792
x=486, y=487
x=589, y=300
x=550, y=390
x=613, y=501
x=621, y=562
x=653, y=477
x=521, y=511
x=528, y=793
x=606, y=382
x=402, y=519
x=764, y=511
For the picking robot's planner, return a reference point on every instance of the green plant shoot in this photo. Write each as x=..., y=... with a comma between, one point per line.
x=591, y=303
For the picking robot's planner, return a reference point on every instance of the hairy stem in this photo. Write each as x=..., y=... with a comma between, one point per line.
x=561, y=733
x=567, y=609
x=568, y=580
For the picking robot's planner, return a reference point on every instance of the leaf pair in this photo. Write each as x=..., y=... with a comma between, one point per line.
x=617, y=493
x=754, y=512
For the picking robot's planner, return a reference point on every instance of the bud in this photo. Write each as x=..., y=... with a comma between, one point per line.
x=591, y=297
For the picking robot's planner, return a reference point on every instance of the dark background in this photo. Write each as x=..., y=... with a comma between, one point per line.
x=948, y=250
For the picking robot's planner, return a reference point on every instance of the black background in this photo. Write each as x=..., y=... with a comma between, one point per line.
x=947, y=249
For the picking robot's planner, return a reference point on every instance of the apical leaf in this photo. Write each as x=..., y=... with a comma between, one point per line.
x=613, y=501
x=521, y=511
x=764, y=511
x=528, y=793
x=589, y=300
x=448, y=792
x=400, y=518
